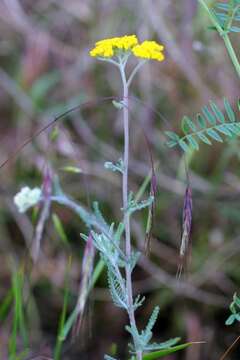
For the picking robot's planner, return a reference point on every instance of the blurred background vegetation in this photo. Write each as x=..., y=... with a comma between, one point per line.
x=45, y=69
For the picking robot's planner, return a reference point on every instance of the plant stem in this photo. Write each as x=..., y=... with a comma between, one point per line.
x=224, y=34
x=231, y=53
x=126, y=213
x=140, y=64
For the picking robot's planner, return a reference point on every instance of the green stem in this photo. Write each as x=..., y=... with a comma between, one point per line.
x=212, y=17
x=224, y=35
x=231, y=53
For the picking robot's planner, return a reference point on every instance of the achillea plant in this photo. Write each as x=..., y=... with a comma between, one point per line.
x=118, y=51
x=114, y=242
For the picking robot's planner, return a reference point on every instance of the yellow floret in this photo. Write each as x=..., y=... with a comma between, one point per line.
x=149, y=50
x=108, y=47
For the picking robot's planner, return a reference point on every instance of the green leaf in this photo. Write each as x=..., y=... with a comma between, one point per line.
x=211, y=124
x=236, y=300
x=230, y=320
x=234, y=127
x=172, y=135
x=171, y=143
x=162, y=346
x=183, y=145
x=59, y=228
x=192, y=142
x=204, y=138
x=58, y=346
x=54, y=134
x=209, y=116
x=214, y=135
x=118, y=166
x=224, y=129
x=229, y=110
x=201, y=121
x=118, y=104
x=71, y=169
x=152, y=320
x=5, y=305
x=188, y=125
x=161, y=353
x=217, y=112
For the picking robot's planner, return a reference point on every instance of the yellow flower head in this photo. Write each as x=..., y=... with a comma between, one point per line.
x=108, y=47
x=149, y=50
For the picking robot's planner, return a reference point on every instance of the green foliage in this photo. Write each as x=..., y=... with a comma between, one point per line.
x=235, y=310
x=59, y=228
x=170, y=350
x=6, y=305
x=209, y=125
x=118, y=166
x=117, y=287
x=118, y=104
x=146, y=334
x=99, y=215
x=19, y=323
x=228, y=15
x=144, y=338
x=72, y=169
x=60, y=338
x=134, y=205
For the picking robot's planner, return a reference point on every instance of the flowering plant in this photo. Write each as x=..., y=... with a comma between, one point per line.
x=113, y=243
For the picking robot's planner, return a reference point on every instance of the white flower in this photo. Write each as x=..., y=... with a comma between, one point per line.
x=27, y=198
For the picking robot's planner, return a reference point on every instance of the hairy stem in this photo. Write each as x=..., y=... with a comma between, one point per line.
x=126, y=213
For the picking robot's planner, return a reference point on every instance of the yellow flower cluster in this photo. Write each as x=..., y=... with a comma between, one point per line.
x=149, y=50
x=107, y=48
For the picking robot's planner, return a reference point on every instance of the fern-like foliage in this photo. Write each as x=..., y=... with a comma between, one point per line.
x=228, y=15
x=209, y=125
x=144, y=338
x=235, y=310
x=147, y=332
x=117, y=287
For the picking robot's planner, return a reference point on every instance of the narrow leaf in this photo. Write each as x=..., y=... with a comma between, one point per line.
x=209, y=116
x=214, y=135
x=161, y=353
x=201, y=121
x=224, y=129
x=204, y=138
x=230, y=320
x=71, y=169
x=217, y=112
x=235, y=128
x=193, y=143
x=172, y=135
x=229, y=110
x=183, y=145
x=188, y=125
x=171, y=143
x=59, y=228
